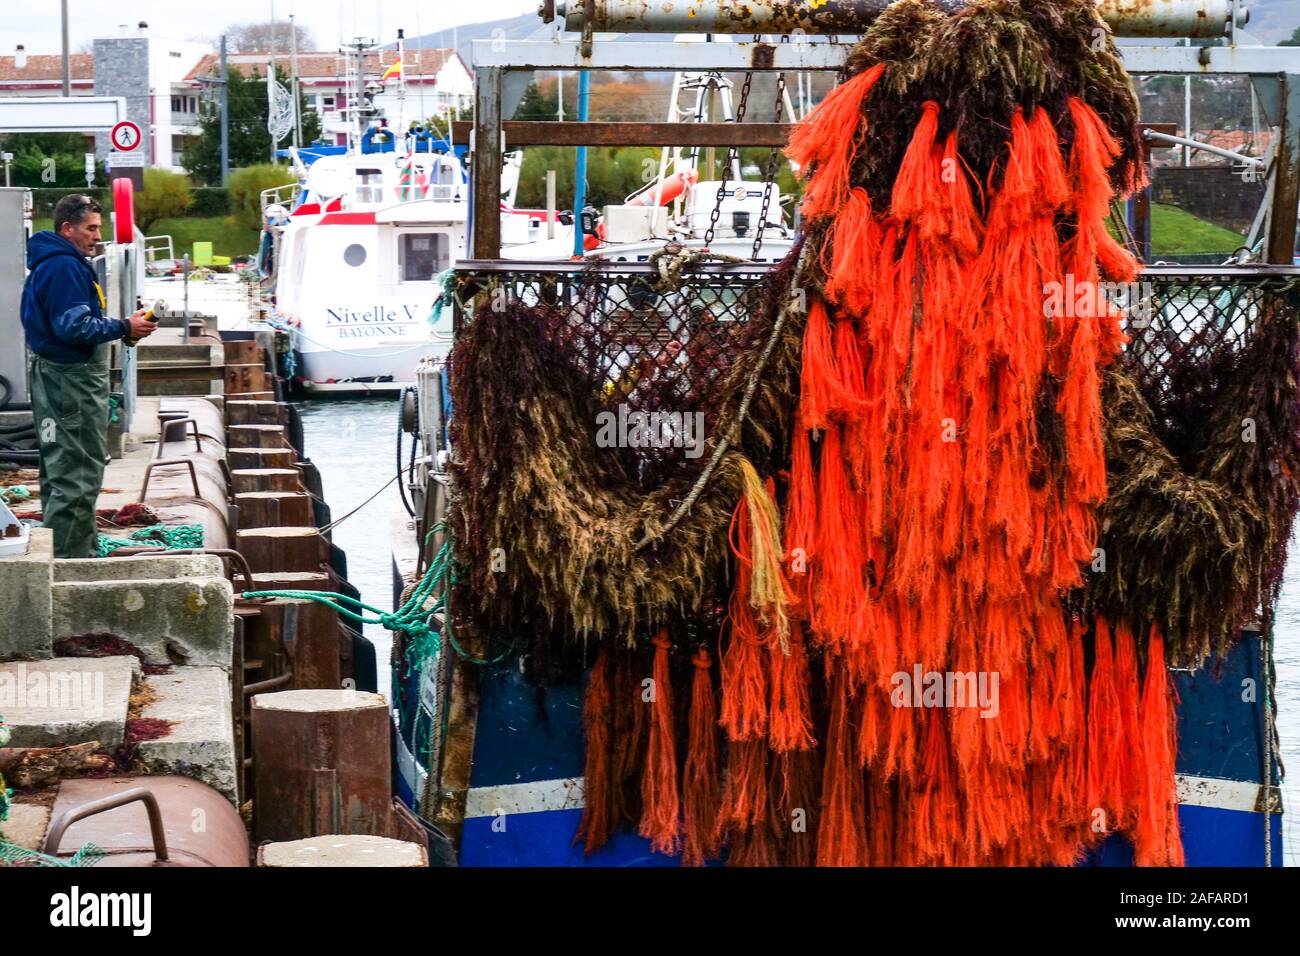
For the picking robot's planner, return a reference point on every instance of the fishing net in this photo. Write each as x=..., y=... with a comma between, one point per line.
x=922, y=587
x=173, y=537
x=570, y=465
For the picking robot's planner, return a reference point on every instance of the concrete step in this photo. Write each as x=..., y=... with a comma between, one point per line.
x=143, y=568
x=201, y=742
x=175, y=621
x=66, y=700
x=196, y=354
x=25, y=581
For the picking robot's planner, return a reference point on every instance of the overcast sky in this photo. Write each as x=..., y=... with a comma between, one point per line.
x=36, y=24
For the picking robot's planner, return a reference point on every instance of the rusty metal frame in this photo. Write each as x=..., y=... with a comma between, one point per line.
x=1145, y=18
x=54, y=836
x=166, y=426
x=569, y=133
x=148, y=472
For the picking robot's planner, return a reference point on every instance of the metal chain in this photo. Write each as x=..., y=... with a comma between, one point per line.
x=733, y=152
x=769, y=178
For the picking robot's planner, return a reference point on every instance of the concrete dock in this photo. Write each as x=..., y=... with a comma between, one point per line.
x=144, y=665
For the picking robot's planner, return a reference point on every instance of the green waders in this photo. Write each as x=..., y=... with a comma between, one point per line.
x=70, y=405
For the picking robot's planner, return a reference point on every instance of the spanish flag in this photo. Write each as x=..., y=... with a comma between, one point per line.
x=392, y=71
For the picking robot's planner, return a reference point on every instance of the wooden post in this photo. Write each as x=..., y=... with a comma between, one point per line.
x=244, y=352
x=303, y=636
x=244, y=480
x=321, y=764
x=271, y=509
x=1286, y=190
x=244, y=412
x=249, y=458
x=283, y=549
x=245, y=378
x=259, y=396
x=256, y=436
x=487, y=163
x=293, y=581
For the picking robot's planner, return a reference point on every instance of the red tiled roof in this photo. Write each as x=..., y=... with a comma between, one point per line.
x=426, y=62
x=42, y=66
x=1234, y=139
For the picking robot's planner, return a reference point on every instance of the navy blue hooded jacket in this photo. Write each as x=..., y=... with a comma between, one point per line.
x=61, y=312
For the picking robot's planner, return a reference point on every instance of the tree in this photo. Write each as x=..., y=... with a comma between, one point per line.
x=1294, y=40
x=537, y=106
x=166, y=194
x=269, y=36
x=50, y=159
x=250, y=143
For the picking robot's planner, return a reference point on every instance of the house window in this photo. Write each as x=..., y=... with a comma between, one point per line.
x=422, y=255
x=178, y=104
x=327, y=102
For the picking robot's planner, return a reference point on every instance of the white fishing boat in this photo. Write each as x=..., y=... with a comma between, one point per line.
x=360, y=250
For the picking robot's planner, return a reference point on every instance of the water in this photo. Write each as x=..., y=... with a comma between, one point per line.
x=352, y=442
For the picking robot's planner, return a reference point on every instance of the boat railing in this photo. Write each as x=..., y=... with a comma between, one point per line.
x=154, y=246
x=285, y=195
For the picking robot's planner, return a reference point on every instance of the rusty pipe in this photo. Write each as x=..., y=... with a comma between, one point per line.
x=234, y=556
x=55, y=835
x=1127, y=18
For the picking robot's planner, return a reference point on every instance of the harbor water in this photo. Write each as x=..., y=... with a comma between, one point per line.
x=353, y=445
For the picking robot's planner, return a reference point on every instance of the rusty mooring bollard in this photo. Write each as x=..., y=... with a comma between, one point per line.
x=321, y=764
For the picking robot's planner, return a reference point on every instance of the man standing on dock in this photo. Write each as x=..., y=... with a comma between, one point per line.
x=68, y=336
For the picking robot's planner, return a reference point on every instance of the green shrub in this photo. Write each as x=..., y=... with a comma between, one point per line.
x=165, y=194
x=246, y=187
x=209, y=201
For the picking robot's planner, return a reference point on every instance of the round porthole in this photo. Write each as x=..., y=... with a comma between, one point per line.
x=354, y=254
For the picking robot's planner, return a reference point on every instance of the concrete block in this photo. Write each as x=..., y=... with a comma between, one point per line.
x=25, y=582
x=201, y=741
x=342, y=850
x=185, y=621
x=66, y=700
x=143, y=568
x=26, y=825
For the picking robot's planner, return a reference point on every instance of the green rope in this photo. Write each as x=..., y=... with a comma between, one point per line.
x=446, y=282
x=15, y=493
x=412, y=617
x=11, y=854
x=171, y=536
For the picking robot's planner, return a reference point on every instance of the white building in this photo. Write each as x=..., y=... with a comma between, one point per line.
x=161, y=82
x=437, y=83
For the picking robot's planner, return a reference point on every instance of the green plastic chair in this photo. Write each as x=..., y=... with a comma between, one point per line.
x=202, y=254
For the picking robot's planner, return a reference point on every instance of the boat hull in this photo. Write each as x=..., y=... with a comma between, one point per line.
x=525, y=799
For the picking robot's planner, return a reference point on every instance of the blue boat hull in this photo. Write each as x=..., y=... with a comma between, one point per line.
x=524, y=803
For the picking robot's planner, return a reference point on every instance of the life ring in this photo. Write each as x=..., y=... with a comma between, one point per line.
x=123, y=211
